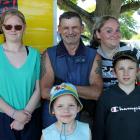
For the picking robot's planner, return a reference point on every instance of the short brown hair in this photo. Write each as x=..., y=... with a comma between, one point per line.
x=68, y=15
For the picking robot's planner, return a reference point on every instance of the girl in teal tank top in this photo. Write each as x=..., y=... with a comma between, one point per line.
x=19, y=82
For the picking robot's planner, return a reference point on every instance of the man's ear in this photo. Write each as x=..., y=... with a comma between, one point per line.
x=82, y=28
x=59, y=29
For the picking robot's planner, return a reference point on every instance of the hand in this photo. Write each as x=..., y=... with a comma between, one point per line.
x=17, y=125
x=22, y=116
x=28, y=114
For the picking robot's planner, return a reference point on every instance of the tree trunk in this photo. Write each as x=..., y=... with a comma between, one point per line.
x=108, y=7
x=103, y=7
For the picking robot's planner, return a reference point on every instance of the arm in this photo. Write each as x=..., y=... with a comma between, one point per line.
x=47, y=76
x=18, y=123
x=6, y=108
x=11, y=112
x=30, y=107
x=34, y=100
x=96, y=83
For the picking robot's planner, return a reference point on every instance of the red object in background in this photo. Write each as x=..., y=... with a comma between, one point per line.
x=138, y=83
x=6, y=4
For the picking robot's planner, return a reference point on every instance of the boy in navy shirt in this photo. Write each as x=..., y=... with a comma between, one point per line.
x=118, y=109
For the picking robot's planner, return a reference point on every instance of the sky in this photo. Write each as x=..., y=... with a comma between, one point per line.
x=137, y=18
x=86, y=3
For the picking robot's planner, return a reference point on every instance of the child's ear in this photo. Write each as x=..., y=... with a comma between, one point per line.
x=138, y=74
x=113, y=72
x=78, y=109
x=53, y=112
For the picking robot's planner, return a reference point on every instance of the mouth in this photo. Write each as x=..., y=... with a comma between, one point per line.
x=66, y=116
x=12, y=34
x=126, y=79
x=70, y=37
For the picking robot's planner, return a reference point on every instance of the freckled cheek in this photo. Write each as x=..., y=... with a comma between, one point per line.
x=104, y=36
x=75, y=111
x=63, y=33
x=118, y=36
x=58, y=113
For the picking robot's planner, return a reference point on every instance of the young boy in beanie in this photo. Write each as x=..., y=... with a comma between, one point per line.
x=65, y=104
x=118, y=109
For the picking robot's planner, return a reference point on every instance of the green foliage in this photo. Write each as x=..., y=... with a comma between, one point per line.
x=128, y=25
x=63, y=7
x=126, y=34
x=129, y=1
x=74, y=1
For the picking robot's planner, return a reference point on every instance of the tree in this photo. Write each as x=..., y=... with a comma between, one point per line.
x=103, y=7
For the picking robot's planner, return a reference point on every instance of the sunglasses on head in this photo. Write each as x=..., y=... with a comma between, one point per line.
x=16, y=27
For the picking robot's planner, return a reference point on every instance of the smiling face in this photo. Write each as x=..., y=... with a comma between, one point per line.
x=126, y=71
x=65, y=108
x=70, y=30
x=13, y=34
x=109, y=34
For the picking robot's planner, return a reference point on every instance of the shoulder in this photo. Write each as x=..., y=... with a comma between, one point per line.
x=51, y=51
x=123, y=44
x=109, y=93
x=52, y=48
x=33, y=50
x=83, y=130
x=90, y=53
x=112, y=89
x=47, y=133
x=91, y=50
x=1, y=45
x=49, y=129
x=82, y=125
x=137, y=89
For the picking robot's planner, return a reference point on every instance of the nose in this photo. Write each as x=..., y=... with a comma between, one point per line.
x=116, y=34
x=66, y=109
x=126, y=72
x=70, y=30
x=13, y=29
